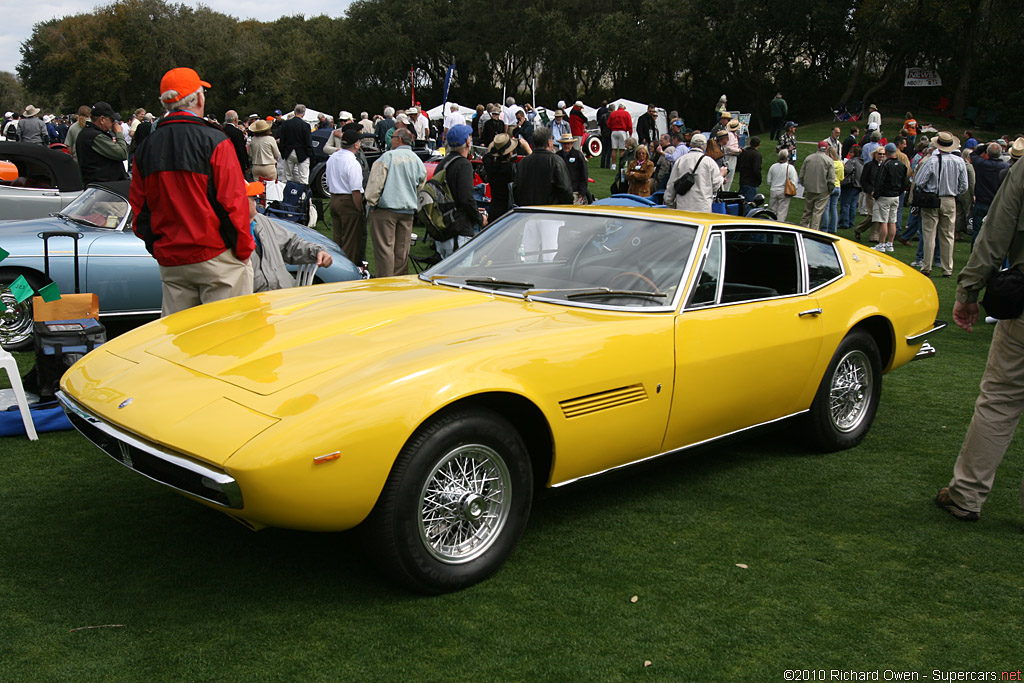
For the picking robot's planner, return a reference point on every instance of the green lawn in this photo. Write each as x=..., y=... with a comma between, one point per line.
x=847, y=565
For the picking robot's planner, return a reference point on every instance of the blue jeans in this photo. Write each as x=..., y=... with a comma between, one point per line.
x=978, y=217
x=830, y=221
x=748, y=192
x=848, y=206
x=913, y=226
x=899, y=216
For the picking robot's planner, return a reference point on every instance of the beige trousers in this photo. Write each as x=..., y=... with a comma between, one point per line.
x=221, y=277
x=996, y=414
x=942, y=220
x=391, y=233
x=815, y=204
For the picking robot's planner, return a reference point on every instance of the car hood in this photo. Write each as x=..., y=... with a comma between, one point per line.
x=269, y=342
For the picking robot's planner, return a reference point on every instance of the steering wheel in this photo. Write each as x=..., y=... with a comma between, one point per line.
x=639, y=276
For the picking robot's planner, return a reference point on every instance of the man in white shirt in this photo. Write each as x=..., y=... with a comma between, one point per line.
x=510, y=114
x=875, y=117
x=420, y=125
x=454, y=118
x=345, y=182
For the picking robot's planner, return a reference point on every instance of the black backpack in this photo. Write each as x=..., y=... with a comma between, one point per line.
x=436, y=206
x=685, y=182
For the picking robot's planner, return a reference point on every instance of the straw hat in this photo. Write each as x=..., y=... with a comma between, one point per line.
x=503, y=145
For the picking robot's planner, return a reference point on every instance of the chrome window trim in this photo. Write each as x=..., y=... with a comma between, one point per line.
x=677, y=450
x=719, y=229
x=227, y=484
x=807, y=267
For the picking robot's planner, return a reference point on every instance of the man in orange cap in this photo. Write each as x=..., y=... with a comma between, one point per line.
x=189, y=200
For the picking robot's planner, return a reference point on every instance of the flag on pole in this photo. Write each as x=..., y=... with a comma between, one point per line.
x=447, y=83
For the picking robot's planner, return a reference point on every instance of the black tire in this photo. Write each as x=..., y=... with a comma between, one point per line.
x=15, y=318
x=438, y=527
x=318, y=182
x=847, y=399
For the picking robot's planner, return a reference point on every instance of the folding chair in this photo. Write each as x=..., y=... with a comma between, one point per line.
x=10, y=365
x=304, y=274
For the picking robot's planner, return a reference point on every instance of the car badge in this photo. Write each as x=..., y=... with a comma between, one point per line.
x=125, y=403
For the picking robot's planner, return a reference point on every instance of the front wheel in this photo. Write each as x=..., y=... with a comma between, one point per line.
x=455, y=503
x=594, y=146
x=847, y=399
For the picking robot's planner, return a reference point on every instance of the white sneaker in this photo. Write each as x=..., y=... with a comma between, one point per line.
x=888, y=247
x=615, y=167
x=990, y=320
x=916, y=263
x=879, y=247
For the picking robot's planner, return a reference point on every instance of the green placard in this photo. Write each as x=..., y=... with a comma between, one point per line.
x=50, y=292
x=21, y=289
x=3, y=254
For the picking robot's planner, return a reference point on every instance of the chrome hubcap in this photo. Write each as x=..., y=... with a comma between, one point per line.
x=15, y=319
x=850, y=394
x=464, y=504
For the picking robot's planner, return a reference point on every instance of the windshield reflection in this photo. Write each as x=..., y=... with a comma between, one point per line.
x=598, y=260
x=97, y=208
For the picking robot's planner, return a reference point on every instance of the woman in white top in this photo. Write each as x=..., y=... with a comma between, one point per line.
x=777, y=174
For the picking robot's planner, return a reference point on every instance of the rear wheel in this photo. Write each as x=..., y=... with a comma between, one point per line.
x=15, y=318
x=318, y=183
x=455, y=503
x=847, y=399
x=594, y=146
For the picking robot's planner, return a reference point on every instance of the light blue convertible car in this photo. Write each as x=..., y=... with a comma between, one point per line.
x=113, y=262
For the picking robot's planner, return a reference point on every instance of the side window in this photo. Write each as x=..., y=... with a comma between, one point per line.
x=822, y=262
x=760, y=264
x=706, y=292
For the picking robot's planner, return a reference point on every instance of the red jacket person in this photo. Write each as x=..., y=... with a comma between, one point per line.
x=188, y=198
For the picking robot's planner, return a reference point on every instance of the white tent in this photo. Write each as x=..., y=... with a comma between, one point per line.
x=441, y=111
x=636, y=110
x=312, y=116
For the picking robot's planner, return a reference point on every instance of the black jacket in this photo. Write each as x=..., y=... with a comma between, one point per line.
x=646, y=129
x=869, y=176
x=748, y=166
x=95, y=167
x=459, y=178
x=891, y=179
x=579, y=177
x=542, y=178
x=296, y=136
x=237, y=138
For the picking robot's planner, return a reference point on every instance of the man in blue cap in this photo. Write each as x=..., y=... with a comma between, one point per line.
x=459, y=177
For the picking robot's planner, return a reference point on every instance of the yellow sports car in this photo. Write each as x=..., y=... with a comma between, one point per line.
x=559, y=344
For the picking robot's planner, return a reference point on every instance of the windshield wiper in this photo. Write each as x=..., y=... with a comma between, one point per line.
x=606, y=292
x=76, y=219
x=487, y=280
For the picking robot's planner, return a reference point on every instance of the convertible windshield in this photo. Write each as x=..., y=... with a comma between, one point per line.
x=591, y=260
x=97, y=208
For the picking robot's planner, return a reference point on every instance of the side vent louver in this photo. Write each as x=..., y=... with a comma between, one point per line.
x=595, y=403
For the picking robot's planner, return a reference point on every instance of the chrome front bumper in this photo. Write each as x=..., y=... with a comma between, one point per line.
x=150, y=460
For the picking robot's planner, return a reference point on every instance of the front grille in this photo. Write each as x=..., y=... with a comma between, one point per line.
x=148, y=459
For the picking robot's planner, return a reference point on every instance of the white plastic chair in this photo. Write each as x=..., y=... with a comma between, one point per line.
x=8, y=363
x=304, y=275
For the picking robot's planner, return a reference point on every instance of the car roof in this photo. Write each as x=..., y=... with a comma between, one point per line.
x=62, y=166
x=116, y=186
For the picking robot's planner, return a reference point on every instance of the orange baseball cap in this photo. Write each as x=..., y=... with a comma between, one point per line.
x=255, y=189
x=183, y=80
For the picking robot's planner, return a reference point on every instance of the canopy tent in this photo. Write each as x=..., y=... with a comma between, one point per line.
x=636, y=110
x=312, y=116
x=441, y=111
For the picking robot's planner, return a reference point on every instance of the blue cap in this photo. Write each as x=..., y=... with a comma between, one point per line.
x=890, y=149
x=457, y=135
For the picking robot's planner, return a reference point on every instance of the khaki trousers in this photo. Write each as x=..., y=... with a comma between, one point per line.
x=221, y=277
x=347, y=225
x=943, y=220
x=996, y=414
x=814, y=208
x=391, y=233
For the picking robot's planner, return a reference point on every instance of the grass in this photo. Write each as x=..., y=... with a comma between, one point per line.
x=849, y=565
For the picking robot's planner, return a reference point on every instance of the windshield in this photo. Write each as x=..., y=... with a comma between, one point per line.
x=97, y=208
x=590, y=260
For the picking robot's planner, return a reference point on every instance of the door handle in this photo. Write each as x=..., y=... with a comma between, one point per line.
x=814, y=312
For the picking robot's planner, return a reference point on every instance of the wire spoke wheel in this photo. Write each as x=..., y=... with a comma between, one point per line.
x=463, y=505
x=15, y=320
x=849, y=395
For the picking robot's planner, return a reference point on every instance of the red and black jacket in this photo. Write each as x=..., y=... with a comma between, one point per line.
x=188, y=193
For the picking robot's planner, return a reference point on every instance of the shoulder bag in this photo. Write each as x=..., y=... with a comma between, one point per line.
x=686, y=181
x=790, y=189
x=923, y=199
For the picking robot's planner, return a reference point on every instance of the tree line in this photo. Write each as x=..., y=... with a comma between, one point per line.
x=681, y=55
